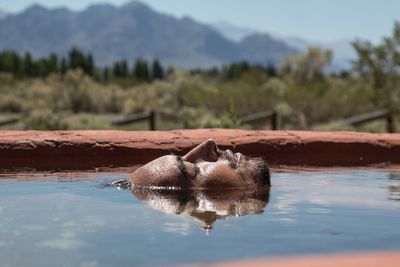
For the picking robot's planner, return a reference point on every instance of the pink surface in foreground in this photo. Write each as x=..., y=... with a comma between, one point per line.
x=375, y=259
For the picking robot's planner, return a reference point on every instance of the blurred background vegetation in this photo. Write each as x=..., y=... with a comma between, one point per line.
x=72, y=93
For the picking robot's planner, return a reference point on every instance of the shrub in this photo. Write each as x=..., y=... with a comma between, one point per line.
x=90, y=122
x=44, y=120
x=11, y=103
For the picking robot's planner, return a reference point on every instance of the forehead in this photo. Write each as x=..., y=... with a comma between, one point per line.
x=162, y=166
x=163, y=163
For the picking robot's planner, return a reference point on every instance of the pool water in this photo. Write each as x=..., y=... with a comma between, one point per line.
x=83, y=222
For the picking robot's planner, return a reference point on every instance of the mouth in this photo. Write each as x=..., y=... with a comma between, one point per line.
x=228, y=155
x=235, y=158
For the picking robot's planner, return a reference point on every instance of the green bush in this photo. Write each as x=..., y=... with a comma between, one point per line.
x=90, y=122
x=11, y=103
x=44, y=120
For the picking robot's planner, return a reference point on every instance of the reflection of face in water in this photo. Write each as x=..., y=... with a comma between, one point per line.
x=205, y=166
x=206, y=206
x=394, y=186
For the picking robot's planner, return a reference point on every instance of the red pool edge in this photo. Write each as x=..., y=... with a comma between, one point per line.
x=369, y=259
x=89, y=149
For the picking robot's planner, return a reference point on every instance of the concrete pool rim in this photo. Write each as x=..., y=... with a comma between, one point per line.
x=58, y=150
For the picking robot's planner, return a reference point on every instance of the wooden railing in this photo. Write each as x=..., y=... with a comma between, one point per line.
x=270, y=115
x=8, y=121
x=150, y=116
x=372, y=116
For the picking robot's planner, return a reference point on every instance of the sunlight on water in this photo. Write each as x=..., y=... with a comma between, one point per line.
x=86, y=223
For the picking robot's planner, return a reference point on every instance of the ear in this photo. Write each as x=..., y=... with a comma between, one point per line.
x=207, y=151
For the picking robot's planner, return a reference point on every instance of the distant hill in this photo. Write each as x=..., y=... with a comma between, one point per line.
x=131, y=31
x=232, y=32
x=343, y=51
x=256, y=46
x=3, y=14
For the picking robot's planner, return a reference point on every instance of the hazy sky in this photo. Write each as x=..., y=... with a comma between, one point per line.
x=324, y=20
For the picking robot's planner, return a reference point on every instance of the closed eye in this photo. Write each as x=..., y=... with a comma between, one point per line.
x=188, y=172
x=182, y=168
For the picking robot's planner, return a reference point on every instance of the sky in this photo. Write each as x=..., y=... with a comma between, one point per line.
x=320, y=20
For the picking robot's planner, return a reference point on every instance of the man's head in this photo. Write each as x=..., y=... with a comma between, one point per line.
x=205, y=166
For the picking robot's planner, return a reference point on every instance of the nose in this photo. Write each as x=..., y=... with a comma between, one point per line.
x=207, y=151
x=238, y=157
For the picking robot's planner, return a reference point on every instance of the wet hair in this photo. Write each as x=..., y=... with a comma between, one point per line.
x=262, y=169
x=265, y=173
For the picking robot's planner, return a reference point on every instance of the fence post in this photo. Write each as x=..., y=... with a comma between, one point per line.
x=274, y=120
x=152, y=120
x=390, y=123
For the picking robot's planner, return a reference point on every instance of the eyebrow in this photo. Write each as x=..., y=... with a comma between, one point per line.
x=182, y=167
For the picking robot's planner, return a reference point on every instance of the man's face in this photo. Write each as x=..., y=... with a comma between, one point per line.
x=205, y=166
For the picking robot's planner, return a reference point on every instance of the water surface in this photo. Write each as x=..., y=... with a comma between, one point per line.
x=81, y=222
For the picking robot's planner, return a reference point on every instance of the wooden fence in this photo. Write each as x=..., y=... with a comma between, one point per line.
x=373, y=116
x=150, y=116
x=270, y=115
x=8, y=121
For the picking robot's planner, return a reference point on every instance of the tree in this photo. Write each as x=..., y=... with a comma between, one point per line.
x=141, y=70
x=306, y=67
x=117, y=69
x=52, y=63
x=235, y=70
x=124, y=68
x=157, y=70
x=380, y=65
x=106, y=74
x=76, y=59
x=88, y=66
x=63, y=66
x=270, y=70
x=11, y=62
x=28, y=65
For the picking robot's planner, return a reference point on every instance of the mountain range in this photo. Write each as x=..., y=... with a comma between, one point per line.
x=232, y=32
x=3, y=14
x=135, y=30
x=343, y=51
x=130, y=31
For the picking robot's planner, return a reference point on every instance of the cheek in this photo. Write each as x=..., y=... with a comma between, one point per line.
x=223, y=172
x=250, y=174
x=220, y=176
x=213, y=170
